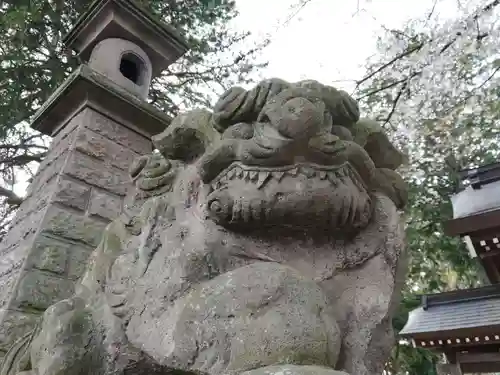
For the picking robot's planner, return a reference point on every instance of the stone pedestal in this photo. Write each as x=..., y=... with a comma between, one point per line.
x=78, y=189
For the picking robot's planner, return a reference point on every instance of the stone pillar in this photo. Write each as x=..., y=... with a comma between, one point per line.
x=100, y=121
x=78, y=189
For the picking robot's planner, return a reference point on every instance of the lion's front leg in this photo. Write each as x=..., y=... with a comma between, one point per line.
x=366, y=323
x=366, y=299
x=77, y=340
x=366, y=291
x=67, y=342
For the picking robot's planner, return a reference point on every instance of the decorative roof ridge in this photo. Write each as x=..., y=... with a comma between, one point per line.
x=460, y=296
x=479, y=176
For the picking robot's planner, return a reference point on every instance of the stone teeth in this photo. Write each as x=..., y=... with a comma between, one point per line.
x=254, y=175
x=349, y=175
x=263, y=176
x=231, y=174
x=354, y=179
x=278, y=175
x=308, y=171
x=331, y=177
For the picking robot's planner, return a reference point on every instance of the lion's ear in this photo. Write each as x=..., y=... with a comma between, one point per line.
x=188, y=136
x=370, y=135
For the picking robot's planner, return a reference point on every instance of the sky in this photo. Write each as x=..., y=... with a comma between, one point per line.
x=328, y=40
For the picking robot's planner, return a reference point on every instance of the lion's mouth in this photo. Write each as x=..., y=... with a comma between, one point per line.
x=301, y=195
x=261, y=176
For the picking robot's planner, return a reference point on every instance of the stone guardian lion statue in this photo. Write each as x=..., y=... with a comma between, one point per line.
x=263, y=237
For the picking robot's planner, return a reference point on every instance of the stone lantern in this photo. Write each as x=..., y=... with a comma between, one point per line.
x=99, y=120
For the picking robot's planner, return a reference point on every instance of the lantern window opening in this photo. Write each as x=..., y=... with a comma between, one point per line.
x=133, y=68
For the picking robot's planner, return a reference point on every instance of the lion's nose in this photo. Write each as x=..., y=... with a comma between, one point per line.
x=297, y=119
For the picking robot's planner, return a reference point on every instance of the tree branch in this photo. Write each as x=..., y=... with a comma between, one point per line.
x=389, y=63
x=416, y=48
x=20, y=160
x=12, y=198
x=395, y=102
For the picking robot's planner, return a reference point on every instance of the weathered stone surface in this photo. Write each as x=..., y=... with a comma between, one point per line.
x=273, y=246
x=7, y=281
x=49, y=254
x=294, y=370
x=104, y=149
x=188, y=136
x=47, y=175
x=367, y=296
x=33, y=204
x=57, y=149
x=14, y=325
x=253, y=316
x=24, y=230
x=118, y=133
x=93, y=172
x=67, y=130
x=72, y=194
x=53, y=163
x=77, y=327
x=10, y=259
x=77, y=260
x=372, y=137
x=38, y=290
x=105, y=205
x=65, y=181
x=71, y=226
x=391, y=184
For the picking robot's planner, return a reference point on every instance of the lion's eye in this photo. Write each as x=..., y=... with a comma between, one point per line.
x=263, y=117
x=216, y=207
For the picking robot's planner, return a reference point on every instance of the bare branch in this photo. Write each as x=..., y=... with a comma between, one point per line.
x=416, y=48
x=389, y=63
x=395, y=102
x=21, y=160
x=389, y=85
x=12, y=198
x=302, y=5
x=429, y=16
x=471, y=93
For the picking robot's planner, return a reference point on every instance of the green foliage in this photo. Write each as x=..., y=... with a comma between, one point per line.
x=434, y=87
x=34, y=62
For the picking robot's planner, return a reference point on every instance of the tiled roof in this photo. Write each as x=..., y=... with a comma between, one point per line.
x=473, y=308
x=458, y=315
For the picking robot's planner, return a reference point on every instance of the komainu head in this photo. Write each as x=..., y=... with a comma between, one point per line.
x=282, y=155
x=216, y=266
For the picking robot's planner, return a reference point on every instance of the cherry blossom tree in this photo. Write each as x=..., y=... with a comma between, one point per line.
x=435, y=85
